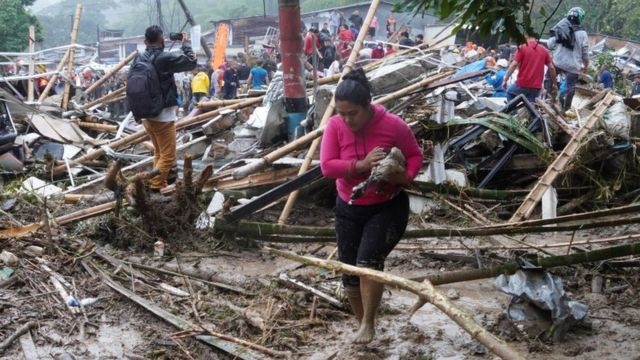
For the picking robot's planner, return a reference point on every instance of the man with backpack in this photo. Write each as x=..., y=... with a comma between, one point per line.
x=152, y=97
x=571, y=51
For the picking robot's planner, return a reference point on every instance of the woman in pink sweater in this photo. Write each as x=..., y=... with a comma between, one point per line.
x=355, y=141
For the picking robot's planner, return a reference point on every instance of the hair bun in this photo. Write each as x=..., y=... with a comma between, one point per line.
x=357, y=75
x=355, y=88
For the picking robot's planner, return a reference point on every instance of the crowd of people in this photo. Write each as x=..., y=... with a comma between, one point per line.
x=327, y=49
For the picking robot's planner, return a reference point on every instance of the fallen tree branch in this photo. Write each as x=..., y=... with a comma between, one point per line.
x=19, y=332
x=423, y=290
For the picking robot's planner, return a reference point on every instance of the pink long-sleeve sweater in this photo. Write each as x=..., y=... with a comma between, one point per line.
x=341, y=148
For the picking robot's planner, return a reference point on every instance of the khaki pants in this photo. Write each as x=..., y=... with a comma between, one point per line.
x=163, y=136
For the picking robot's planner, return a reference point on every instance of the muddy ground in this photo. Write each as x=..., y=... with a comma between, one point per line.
x=266, y=311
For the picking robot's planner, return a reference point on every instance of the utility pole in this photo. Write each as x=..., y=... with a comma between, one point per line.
x=291, y=50
x=32, y=49
x=160, y=19
x=72, y=54
x=98, y=41
x=192, y=22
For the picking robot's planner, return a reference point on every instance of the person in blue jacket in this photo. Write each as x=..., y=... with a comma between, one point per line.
x=605, y=77
x=497, y=79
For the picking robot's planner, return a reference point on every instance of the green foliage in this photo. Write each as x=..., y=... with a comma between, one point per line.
x=512, y=17
x=14, y=25
x=604, y=59
x=620, y=18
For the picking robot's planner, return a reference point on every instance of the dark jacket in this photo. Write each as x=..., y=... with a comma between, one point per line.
x=230, y=77
x=635, y=88
x=167, y=64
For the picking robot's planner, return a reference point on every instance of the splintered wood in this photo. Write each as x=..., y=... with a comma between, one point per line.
x=561, y=162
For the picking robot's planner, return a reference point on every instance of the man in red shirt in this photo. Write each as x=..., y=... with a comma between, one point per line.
x=530, y=59
x=312, y=37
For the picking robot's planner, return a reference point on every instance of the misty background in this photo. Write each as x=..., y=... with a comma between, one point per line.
x=134, y=17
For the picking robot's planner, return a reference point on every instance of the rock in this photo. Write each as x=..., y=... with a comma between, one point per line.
x=393, y=77
x=8, y=258
x=453, y=294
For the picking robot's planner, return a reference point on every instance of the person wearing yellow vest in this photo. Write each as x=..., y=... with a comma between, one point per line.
x=199, y=84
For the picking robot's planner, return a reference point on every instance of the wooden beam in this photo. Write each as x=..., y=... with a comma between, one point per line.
x=54, y=77
x=111, y=72
x=72, y=54
x=561, y=162
x=557, y=119
x=32, y=49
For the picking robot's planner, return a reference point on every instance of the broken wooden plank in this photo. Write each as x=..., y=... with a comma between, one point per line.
x=555, y=117
x=29, y=349
x=142, y=135
x=184, y=325
x=264, y=178
x=424, y=290
x=561, y=162
x=331, y=300
x=273, y=195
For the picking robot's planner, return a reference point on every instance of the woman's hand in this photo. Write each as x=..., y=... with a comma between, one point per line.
x=373, y=158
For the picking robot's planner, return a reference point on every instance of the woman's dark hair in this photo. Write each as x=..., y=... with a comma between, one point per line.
x=354, y=88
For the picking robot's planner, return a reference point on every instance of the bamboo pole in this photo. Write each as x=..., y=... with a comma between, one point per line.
x=353, y=56
x=54, y=77
x=72, y=54
x=141, y=135
x=561, y=162
x=424, y=290
x=260, y=230
x=98, y=127
x=85, y=213
x=105, y=99
x=418, y=247
x=111, y=72
x=546, y=262
x=32, y=49
x=217, y=103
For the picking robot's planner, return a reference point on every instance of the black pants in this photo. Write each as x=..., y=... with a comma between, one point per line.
x=367, y=234
x=570, y=89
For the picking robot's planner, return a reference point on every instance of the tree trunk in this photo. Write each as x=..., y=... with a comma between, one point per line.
x=546, y=262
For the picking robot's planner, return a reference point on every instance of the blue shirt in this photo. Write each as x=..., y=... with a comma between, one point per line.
x=258, y=77
x=606, y=79
x=496, y=82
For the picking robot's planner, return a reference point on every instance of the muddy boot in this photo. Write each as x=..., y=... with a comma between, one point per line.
x=355, y=300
